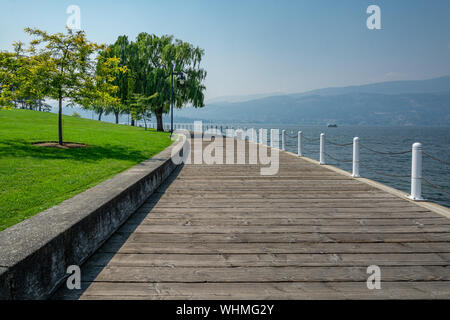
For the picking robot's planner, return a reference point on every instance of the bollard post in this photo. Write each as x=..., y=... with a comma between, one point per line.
x=299, y=151
x=322, y=149
x=272, y=133
x=283, y=140
x=416, y=172
x=355, y=171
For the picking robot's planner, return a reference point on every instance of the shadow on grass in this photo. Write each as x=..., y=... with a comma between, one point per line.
x=92, y=153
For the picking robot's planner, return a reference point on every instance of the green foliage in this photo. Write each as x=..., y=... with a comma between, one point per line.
x=35, y=178
x=141, y=107
x=114, y=79
x=148, y=63
x=60, y=66
x=22, y=77
x=69, y=65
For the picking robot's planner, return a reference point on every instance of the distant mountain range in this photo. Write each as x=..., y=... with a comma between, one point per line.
x=412, y=102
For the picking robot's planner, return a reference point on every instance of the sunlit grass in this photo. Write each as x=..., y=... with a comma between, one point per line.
x=34, y=178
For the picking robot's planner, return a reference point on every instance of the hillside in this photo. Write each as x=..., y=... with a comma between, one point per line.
x=424, y=102
x=435, y=85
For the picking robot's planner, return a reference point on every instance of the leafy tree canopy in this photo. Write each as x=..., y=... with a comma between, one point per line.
x=148, y=61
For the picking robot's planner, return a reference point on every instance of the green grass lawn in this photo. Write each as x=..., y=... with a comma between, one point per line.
x=34, y=178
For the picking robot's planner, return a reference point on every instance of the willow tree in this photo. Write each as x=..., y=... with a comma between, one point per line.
x=70, y=66
x=162, y=54
x=149, y=60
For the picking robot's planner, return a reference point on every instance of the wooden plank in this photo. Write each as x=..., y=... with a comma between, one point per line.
x=267, y=183
x=254, y=291
x=218, y=229
x=240, y=213
x=316, y=212
x=241, y=188
x=117, y=245
x=267, y=290
x=262, y=274
x=149, y=219
x=268, y=260
x=285, y=238
x=347, y=290
x=280, y=205
x=177, y=195
x=280, y=202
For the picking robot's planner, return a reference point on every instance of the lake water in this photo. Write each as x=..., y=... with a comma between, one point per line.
x=435, y=141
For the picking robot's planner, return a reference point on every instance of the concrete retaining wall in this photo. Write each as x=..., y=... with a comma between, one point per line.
x=35, y=254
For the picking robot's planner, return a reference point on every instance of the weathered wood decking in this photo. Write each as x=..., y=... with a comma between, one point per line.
x=225, y=231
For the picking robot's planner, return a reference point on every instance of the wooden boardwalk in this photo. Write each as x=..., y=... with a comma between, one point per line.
x=226, y=232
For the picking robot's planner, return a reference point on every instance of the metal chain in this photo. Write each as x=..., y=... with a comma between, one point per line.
x=383, y=174
x=293, y=137
x=436, y=159
x=338, y=160
x=339, y=144
x=380, y=152
x=435, y=185
x=311, y=140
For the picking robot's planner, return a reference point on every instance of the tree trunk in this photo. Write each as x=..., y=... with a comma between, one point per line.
x=60, y=132
x=132, y=122
x=159, y=122
x=145, y=124
x=116, y=113
x=100, y=116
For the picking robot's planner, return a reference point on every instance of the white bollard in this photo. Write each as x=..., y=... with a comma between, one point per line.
x=355, y=171
x=416, y=172
x=240, y=134
x=263, y=137
x=272, y=134
x=299, y=151
x=283, y=140
x=322, y=149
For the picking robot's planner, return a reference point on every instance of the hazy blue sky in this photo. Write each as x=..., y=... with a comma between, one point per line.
x=263, y=46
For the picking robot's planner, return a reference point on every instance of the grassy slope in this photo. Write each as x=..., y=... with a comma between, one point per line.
x=34, y=178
